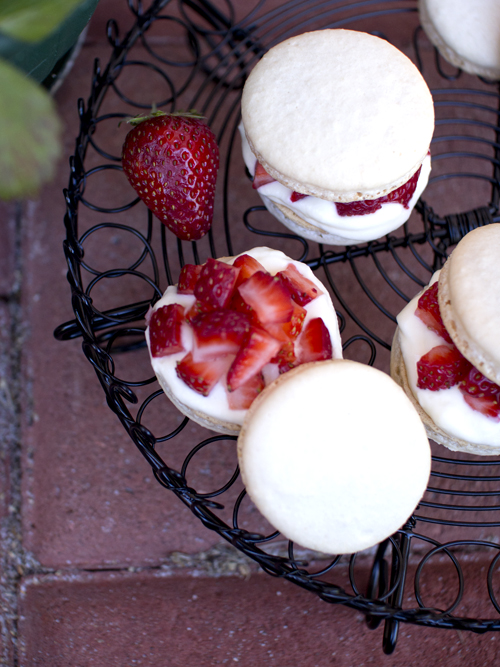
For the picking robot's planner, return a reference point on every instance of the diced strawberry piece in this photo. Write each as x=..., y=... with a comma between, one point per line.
x=261, y=177
x=243, y=397
x=301, y=288
x=488, y=405
x=314, y=343
x=215, y=285
x=257, y=350
x=188, y=278
x=197, y=309
x=286, y=331
x=241, y=306
x=165, y=330
x=428, y=311
x=481, y=394
x=268, y=297
x=202, y=376
x=286, y=357
x=218, y=332
x=247, y=265
x=441, y=368
x=296, y=196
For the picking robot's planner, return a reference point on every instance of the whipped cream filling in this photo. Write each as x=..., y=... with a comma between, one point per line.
x=323, y=214
x=215, y=404
x=446, y=407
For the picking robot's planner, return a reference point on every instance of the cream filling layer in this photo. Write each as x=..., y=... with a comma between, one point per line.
x=446, y=407
x=215, y=404
x=323, y=214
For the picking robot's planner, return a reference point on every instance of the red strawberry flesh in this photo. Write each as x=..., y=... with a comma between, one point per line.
x=314, y=343
x=257, y=350
x=202, y=376
x=243, y=397
x=480, y=393
x=247, y=265
x=302, y=289
x=268, y=297
x=165, y=326
x=297, y=196
x=218, y=333
x=288, y=331
x=261, y=177
x=171, y=161
x=401, y=195
x=188, y=278
x=428, y=311
x=440, y=368
x=215, y=286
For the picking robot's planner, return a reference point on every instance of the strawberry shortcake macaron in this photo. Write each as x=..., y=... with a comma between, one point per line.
x=467, y=34
x=336, y=127
x=446, y=350
x=232, y=326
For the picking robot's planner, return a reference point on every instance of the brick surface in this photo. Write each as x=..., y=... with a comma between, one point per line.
x=152, y=619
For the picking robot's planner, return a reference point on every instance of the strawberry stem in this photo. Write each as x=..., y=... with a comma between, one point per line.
x=137, y=120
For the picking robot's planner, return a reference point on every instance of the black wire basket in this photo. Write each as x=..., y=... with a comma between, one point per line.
x=196, y=55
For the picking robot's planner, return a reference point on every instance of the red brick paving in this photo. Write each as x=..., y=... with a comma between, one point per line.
x=152, y=619
x=113, y=569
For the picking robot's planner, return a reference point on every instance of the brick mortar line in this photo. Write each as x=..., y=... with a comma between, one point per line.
x=10, y=451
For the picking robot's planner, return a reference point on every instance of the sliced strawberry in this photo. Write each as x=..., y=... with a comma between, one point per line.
x=480, y=393
x=301, y=288
x=165, y=326
x=286, y=357
x=441, y=368
x=202, y=376
x=268, y=297
x=218, y=333
x=197, y=309
x=296, y=196
x=258, y=349
x=243, y=397
x=188, y=278
x=428, y=311
x=241, y=306
x=286, y=331
x=215, y=285
x=261, y=177
x=247, y=265
x=314, y=343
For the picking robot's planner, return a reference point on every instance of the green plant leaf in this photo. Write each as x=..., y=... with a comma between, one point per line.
x=33, y=20
x=30, y=139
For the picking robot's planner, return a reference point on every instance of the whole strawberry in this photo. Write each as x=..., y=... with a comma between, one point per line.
x=171, y=161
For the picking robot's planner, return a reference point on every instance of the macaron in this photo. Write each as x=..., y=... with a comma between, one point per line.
x=446, y=349
x=336, y=126
x=467, y=34
x=232, y=326
x=334, y=456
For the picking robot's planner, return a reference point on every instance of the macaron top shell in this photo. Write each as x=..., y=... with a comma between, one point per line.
x=469, y=298
x=338, y=114
x=334, y=455
x=466, y=33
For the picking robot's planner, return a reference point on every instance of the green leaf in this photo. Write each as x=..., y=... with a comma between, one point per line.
x=30, y=139
x=33, y=20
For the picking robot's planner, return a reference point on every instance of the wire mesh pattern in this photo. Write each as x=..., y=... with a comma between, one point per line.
x=196, y=54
